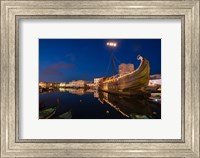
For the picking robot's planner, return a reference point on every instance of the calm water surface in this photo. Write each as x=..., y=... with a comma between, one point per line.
x=91, y=104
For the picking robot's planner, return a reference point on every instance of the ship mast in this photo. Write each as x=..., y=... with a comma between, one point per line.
x=112, y=45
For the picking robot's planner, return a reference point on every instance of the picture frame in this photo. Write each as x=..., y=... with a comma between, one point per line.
x=12, y=11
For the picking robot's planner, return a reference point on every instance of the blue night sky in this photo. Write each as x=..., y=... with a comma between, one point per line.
x=63, y=60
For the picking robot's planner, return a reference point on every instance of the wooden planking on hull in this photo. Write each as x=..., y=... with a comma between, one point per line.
x=129, y=84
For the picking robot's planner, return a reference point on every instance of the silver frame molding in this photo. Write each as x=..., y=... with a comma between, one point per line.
x=14, y=10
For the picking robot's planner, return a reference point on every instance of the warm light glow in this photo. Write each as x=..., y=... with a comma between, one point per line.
x=111, y=44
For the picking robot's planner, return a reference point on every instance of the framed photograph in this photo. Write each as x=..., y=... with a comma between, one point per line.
x=121, y=90
x=100, y=78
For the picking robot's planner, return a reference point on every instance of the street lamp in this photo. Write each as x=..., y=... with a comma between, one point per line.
x=112, y=45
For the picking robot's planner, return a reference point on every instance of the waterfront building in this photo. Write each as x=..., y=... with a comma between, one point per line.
x=56, y=85
x=43, y=84
x=71, y=84
x=68, y=85
x=155, y=79
x=155, y=82
x=96, y=81
x=155, y=76
x=77, y=84
x=125, y=68
x=63, y=84
x=91, y=85
x=49, y=84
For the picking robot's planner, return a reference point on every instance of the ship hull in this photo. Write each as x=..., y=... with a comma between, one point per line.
x=133, y=83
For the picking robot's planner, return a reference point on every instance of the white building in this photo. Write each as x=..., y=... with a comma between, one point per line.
x=78, y=83
x=63, y=84
x=91, y=84
x=96, y=81
x=155, y=82
x=155, y=76
x=125, y=68
x=43, y=84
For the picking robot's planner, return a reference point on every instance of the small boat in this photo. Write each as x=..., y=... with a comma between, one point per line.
x=132, y=83
x=48, y=112
x=66, y=115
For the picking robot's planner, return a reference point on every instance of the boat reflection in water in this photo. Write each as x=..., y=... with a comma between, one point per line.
x=129, y=106
x=93, y=104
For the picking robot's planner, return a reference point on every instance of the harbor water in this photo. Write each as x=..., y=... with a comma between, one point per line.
x=66, y=103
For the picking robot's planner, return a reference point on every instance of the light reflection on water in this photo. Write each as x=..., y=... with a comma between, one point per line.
x=68, y=103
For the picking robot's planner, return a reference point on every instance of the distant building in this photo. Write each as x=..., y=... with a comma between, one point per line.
x=90, y=84
x=78, y=84
x=50, y=84
x=155, y=82
x=56, y=85
x=125, y=68
x=155, y=79
x=43, y=84
x=156, y=76
x=63, y=84
x=96, y=81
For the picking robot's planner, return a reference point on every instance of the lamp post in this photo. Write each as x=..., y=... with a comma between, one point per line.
x=112, y=45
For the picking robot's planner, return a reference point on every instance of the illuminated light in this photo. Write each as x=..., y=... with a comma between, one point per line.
x=111, y=44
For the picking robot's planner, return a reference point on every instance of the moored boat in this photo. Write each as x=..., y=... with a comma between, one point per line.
x=132, y=83
x=47, y=113
x=65, y=115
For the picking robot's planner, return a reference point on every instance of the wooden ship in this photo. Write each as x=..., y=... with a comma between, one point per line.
x=132, y=83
